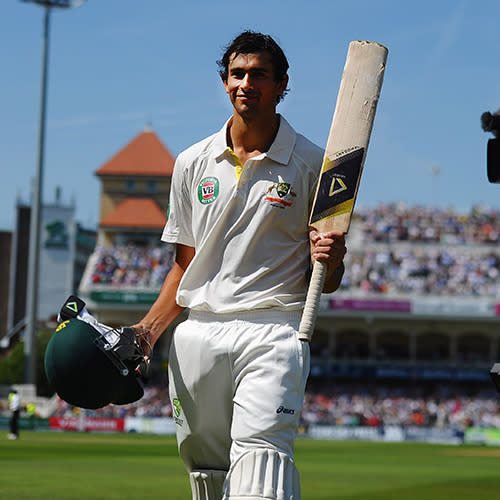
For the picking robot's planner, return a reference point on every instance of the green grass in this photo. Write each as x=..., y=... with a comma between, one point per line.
x=409, y=471
x=66, y=466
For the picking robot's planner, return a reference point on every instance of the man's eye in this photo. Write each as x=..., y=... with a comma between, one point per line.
x=258, y=74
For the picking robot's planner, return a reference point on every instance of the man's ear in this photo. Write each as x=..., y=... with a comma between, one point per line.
x=283, y=84
x=224, y=82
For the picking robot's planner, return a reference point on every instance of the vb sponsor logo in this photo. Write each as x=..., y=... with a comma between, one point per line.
x=208, y=190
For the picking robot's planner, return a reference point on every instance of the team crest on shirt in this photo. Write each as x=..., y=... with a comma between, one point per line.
x=280, y=194
x=208, y=190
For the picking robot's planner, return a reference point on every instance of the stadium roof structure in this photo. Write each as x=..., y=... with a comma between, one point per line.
x=145, y=155
x=135, y=212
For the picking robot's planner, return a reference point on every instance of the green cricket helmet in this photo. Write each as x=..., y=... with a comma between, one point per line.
x=91, y=368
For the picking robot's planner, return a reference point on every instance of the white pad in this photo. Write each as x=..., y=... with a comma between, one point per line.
x=263, y=474
x=207, y=484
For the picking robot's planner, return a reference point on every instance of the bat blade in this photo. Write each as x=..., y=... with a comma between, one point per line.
x=344, y=158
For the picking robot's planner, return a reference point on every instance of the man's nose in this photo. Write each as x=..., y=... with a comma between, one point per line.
x=246, y=82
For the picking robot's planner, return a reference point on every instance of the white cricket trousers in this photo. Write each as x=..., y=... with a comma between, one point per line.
x=236, y=384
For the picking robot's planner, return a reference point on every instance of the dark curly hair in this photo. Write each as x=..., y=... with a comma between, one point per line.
x=251, y=42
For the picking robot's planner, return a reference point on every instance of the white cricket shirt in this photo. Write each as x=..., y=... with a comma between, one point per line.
x=250, y=234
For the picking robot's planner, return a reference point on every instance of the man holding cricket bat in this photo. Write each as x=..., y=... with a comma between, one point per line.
x=239, y=211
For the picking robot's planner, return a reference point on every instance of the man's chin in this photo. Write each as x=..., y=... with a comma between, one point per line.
x=247, y=111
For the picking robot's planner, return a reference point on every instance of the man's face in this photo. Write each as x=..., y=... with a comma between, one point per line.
x=251, y=85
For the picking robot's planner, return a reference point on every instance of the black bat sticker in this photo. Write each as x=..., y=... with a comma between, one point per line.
x=337, y=185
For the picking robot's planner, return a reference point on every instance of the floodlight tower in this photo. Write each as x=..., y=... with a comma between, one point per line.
x=36, y=200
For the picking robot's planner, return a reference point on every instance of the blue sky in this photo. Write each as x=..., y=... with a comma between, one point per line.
x=117, y=65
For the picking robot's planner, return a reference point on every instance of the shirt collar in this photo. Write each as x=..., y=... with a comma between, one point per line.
x=280, y=151
x=220, y=143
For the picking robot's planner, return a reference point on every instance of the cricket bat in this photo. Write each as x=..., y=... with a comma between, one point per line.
x=344, y=157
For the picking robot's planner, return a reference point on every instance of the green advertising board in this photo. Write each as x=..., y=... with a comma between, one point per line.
x=480, y=435
x=123, y=297
x=27, y=423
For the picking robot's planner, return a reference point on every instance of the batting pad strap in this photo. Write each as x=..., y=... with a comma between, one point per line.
x=263, y=474
x=207, y=484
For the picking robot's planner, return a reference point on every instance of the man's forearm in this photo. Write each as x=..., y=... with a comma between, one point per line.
x=165, y=308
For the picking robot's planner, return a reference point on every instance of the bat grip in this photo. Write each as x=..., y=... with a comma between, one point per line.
x=306, y=327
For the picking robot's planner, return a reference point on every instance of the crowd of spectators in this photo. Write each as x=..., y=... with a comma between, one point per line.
x=345, y=407
x=154, y=403
x=432, y=271
x=131, y=266
x=398, y=249
x=392, y=249
x=400, y=222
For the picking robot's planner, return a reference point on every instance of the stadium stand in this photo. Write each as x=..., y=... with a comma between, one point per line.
x=416, y=250
x=131, y=266
x=345, y=406
x=394, y=251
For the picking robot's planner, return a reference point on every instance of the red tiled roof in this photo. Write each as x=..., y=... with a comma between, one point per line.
x=135, y=212
x=144, y=155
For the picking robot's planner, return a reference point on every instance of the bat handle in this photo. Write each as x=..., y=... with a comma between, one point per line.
x=306, y=327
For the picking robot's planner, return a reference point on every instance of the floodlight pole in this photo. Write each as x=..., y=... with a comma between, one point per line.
x=36, y=202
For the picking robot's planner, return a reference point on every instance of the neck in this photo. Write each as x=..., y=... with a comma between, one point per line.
x=252, y=137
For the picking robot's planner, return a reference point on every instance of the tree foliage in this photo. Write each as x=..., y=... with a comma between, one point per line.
x=12, y=365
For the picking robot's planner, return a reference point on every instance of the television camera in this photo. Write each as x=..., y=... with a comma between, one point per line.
x=490, y=122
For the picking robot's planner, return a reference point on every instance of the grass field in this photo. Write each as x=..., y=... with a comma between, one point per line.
x=66, y=466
